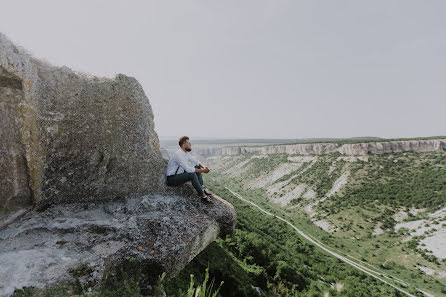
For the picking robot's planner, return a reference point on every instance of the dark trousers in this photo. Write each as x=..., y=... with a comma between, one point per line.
x=181, y=178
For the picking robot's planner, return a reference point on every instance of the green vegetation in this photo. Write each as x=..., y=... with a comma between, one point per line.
x=266, y=253
x=319, y=176
x=128, y=282
x=377, y=188
x=405, y=180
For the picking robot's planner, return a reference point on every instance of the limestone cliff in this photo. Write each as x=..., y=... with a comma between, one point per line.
x=355, y=149
x=82, y=179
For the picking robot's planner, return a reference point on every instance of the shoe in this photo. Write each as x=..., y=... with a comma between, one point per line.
x=206, y=191
x=207, y=200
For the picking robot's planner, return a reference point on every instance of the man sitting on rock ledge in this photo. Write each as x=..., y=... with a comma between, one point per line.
x=178, y=172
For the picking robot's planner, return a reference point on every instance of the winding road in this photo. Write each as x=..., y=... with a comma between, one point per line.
x=364, y=269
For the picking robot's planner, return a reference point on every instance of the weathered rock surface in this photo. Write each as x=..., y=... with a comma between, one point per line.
x=355, y=149
x=67, y=136
x=162, y=231
x=82, y=180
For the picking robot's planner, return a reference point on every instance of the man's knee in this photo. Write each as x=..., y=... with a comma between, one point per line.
x=191, y=175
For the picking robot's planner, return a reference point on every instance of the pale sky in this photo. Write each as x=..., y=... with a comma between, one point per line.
x=256, y=69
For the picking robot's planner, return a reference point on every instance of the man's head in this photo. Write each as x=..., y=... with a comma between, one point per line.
x=184, y=143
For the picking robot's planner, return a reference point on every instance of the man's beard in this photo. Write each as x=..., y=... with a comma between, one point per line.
x=188, y=149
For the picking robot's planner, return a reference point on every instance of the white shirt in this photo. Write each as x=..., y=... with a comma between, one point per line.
x=178, y=161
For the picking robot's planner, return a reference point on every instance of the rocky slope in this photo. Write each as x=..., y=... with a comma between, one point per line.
x=82, y=179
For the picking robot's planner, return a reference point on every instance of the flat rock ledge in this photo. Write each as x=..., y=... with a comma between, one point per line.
x=163, y=231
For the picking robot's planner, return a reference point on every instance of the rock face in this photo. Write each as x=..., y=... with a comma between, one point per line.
x=68, y=137
x=355, y=149
x=162, y=231
x=82, y=180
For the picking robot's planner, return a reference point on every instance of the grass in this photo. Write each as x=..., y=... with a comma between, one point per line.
x=128, y=283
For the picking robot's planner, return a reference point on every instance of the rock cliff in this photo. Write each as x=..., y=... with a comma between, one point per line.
x=355, y=149
x=82, y=179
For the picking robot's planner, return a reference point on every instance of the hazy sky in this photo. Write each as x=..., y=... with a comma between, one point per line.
x=256, y=69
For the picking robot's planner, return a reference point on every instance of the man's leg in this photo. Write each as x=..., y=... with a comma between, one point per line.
x=179, y=179
x=196, y=183
x=199, y=175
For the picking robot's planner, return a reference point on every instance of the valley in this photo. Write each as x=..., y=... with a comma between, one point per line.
x=384, y=211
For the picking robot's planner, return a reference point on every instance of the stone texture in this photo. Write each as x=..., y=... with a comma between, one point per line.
x=14, y=190
x=68, y=136
x=162, y=231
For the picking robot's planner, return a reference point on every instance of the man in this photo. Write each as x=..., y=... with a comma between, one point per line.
x=178, y=171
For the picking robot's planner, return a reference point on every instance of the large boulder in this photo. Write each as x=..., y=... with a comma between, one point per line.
x=82, y=180
x=67, y=136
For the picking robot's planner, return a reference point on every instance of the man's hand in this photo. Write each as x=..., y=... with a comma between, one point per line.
x=205, y=168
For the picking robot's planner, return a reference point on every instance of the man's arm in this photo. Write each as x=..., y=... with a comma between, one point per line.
x=187, y=168
x=193, y=159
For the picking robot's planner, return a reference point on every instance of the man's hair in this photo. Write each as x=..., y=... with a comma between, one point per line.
x=182, y=140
